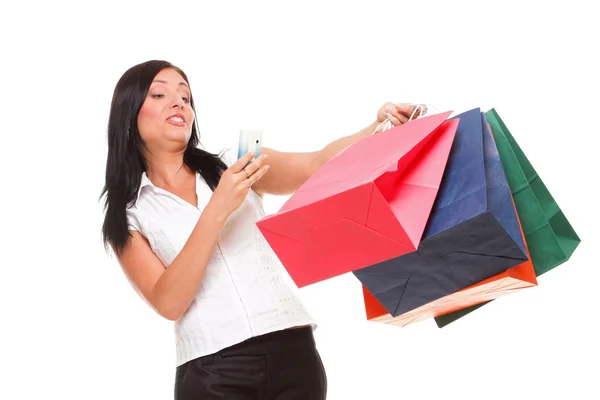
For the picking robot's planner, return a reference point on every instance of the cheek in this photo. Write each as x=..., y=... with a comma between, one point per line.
x=189, y=115
x=148, y=118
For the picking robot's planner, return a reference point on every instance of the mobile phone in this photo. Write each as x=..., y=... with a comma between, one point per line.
x=250, y=140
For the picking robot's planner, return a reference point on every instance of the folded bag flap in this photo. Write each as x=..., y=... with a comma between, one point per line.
x=443, y=264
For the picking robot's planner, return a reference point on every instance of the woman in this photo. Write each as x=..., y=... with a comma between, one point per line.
x=182, y=224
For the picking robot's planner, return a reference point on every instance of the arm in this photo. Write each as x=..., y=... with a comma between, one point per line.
x=289, y=171
x=171, y=291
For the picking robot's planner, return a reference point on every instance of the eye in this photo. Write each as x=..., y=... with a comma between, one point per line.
x=157, y=96
x=186, y=99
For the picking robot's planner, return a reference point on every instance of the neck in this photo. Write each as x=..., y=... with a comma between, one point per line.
x=166, y=170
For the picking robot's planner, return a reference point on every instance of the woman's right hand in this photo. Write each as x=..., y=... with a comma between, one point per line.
x=236, y=182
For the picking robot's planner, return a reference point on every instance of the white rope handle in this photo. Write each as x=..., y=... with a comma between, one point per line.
x=387, y=124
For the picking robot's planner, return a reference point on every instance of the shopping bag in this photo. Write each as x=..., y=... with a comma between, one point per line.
x=472, y=233
x=550, y=235
x=515, y=279
x=551, y=238
x=367, y=204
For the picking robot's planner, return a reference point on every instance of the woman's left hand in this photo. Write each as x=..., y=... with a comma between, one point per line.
x=398, y=114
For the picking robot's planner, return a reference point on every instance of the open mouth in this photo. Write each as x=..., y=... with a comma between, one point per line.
x=176, y=120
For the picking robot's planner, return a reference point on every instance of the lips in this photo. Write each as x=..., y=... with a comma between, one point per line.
x=176, y=119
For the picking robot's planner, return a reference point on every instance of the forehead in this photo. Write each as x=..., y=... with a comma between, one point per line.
x=170, y=77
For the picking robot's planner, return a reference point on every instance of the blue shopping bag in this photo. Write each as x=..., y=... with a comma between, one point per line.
x=472, y=232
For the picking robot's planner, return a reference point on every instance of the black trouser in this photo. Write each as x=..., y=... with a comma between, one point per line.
x=283, y=365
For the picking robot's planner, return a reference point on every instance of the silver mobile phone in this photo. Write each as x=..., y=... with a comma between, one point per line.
x=250, y=140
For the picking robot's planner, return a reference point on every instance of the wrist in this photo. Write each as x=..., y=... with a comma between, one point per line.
x=215, y=213
x=369, y=130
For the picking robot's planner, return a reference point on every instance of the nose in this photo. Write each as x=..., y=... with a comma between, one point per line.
x=177, y=101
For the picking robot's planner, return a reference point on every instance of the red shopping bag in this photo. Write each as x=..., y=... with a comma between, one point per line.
x=367, y=204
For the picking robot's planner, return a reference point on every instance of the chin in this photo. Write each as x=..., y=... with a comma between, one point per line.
x=180, y=137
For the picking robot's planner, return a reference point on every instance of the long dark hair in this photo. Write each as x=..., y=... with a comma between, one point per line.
x=125, y=162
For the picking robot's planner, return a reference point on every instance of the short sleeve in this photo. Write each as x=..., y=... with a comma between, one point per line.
x=133, y=223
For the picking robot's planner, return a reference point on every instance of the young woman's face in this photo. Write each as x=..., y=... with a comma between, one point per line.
x=166, y=117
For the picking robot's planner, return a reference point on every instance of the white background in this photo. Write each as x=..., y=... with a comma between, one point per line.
x=307, y=72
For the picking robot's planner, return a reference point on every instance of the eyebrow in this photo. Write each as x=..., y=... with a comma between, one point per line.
x=165, y=82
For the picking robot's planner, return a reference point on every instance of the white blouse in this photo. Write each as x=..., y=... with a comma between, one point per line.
x=245, y=292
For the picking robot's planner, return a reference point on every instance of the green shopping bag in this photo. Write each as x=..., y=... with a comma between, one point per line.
x=550, y=237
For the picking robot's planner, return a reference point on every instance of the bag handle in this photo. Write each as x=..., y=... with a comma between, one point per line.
x=387, y=124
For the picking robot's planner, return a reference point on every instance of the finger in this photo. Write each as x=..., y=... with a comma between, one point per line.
x=420, y=111
x=412, y=110
x=396, y=118
x=406, y=109
x=395, y=121
x=390, y=106
x=242, y=176
x=247, y=183
x=241, y=162
x=387, y=107
x=255, y=165
x=259, y=174
x=251, y=170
